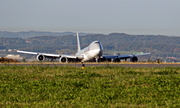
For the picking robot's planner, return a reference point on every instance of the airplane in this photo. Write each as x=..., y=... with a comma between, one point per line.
x=93, y=52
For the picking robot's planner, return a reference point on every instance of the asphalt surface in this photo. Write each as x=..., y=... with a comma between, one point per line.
x=133, y=65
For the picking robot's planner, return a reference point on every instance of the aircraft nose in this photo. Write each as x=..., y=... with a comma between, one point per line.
x=97, y=47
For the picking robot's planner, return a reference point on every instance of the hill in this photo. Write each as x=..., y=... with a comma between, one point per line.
x=28, y=34
x=163, y=46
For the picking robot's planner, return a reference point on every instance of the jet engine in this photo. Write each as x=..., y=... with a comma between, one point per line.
x=63, y=60
x=134, y=59
x=41, y=57
x=117, y=60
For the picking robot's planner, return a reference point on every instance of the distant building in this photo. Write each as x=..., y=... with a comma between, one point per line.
x=12, y=56
x=2, y=49
x=10, y=50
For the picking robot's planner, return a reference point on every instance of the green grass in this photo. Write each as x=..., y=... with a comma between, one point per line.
x=45, y=86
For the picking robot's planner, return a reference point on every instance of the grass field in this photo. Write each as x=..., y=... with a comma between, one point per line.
x=45, y=86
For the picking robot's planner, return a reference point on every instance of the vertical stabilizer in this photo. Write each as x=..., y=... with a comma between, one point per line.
x=78, y=43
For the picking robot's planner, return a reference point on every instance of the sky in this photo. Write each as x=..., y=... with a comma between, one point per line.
x=144, y=17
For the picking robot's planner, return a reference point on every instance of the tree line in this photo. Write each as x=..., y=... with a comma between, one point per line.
x=164, y=46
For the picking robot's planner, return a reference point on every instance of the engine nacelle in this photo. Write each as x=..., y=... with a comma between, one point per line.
x=134, y=59
x=63, y=60
x=117, y=60
x=40, y=57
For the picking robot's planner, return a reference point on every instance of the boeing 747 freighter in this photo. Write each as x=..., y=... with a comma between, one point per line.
x=92, y=52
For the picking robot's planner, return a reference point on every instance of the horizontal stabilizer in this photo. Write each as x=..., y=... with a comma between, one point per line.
x=143, y=54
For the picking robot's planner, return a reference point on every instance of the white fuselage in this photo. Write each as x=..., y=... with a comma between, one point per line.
x=94, y=50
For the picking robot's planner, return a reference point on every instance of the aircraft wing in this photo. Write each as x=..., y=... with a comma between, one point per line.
x=132, y=56
x=117, y=56
x=125, y=56
x=48, y=55
x=27, y=52
x=36, y=53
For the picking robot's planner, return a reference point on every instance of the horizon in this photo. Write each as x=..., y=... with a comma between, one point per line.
x=85, y=32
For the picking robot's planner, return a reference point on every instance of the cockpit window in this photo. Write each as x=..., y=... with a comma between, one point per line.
x=96, y=42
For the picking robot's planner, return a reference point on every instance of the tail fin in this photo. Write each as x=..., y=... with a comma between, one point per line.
x=78, y=43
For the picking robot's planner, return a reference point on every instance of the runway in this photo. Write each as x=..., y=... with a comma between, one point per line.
x=132, y=65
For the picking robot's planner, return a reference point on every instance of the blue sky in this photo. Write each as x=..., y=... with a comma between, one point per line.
x=157, y=17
